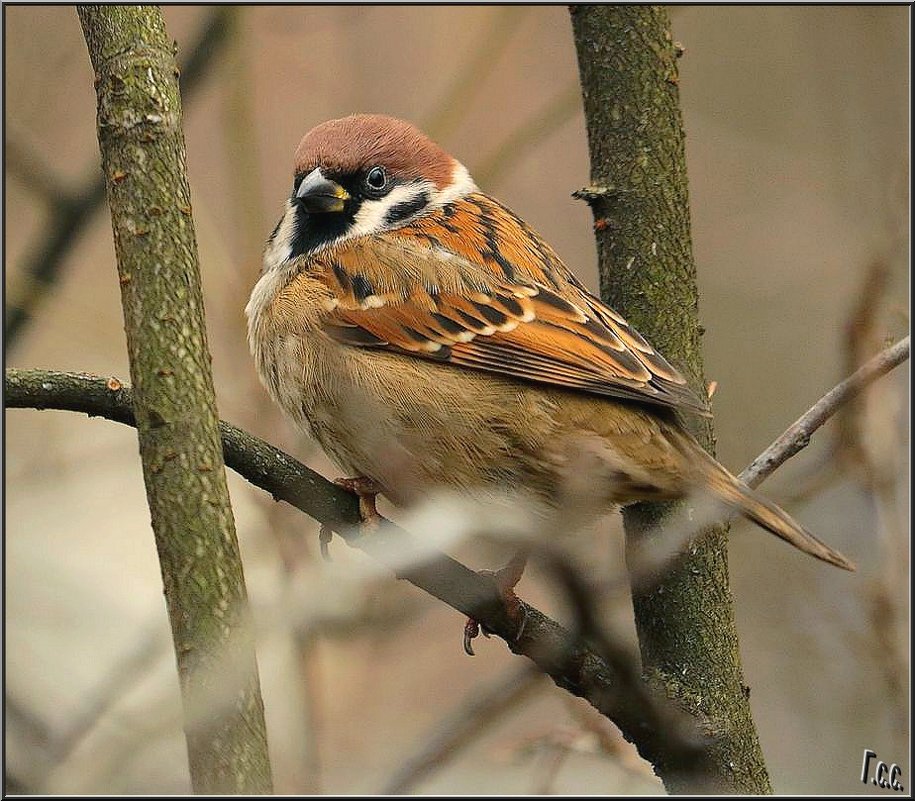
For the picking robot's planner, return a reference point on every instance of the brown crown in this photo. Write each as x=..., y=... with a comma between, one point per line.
x=355, y=143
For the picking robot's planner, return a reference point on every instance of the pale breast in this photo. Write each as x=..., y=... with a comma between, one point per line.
x=407, y=424
x=413, y=425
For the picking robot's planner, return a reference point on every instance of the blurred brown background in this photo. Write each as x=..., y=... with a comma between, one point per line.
x=797, y=132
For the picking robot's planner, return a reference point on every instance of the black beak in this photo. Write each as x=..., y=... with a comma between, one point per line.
x=319, y=194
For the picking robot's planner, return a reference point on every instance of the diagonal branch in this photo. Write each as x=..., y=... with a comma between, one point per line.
x=28, y=167
x=451, y=105
x=797, y=436
x=482, y=709
x=527, y=136
x=600, y=675
x=610, y=685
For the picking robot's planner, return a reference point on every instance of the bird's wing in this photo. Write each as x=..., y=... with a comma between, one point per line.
x=490, y=297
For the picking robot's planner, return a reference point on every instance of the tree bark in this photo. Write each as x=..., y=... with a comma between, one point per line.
x=143, y=159
x=685, y=620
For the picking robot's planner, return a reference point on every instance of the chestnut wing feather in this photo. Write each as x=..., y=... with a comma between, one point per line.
x=426, y=297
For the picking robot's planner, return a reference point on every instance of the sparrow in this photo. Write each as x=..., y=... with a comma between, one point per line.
x=427, y=338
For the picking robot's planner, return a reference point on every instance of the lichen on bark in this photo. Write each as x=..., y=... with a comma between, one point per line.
x=685, y=622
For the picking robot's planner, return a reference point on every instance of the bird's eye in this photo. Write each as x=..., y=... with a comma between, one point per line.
x=296, y=183
x=376, y=179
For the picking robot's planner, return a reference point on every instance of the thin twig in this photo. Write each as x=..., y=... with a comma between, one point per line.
x=798, y=435
x=74, y=209
x=648, y=563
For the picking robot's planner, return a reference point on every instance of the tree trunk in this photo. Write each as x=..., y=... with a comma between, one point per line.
x=685, y=621
x=143, y=158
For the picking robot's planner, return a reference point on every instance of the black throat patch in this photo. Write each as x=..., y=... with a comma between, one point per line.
x=311, y=231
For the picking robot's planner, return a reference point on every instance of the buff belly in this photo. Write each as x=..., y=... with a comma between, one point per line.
x=411, y=426
x=415, y=426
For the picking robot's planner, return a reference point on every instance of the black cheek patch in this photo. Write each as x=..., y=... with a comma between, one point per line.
x=402, y=211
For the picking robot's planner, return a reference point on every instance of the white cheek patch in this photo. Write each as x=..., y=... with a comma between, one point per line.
x=372, y=215
x=277, y=270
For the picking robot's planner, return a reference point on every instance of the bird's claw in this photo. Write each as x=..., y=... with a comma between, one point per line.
x=471, y=632
x=472, y=628
x=325, y=535
x=505, y=580
x=365, y=489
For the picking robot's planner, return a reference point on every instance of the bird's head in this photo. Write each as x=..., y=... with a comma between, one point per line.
x=363, y=175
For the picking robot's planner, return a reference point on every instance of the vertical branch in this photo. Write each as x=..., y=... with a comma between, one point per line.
x=685, y=621
x=143, y=161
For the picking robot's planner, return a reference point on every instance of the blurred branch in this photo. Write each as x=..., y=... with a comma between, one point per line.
x=124, y=677
x=25, y=734
x=603, y=676
x=239, y=127
x=203, y=51
x=73, y=209
x=612, y=687
x=481, y=709
x=49, y=750
x=529, y=134
x=45, y=256
x=558, y=752
x=441, y=121
x=29, y=167
x=609, y=740
x=797, y=436
x=869, y=448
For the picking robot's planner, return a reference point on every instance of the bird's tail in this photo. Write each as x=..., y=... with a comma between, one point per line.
x=738, y=495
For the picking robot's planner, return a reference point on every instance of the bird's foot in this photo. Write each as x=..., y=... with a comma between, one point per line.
x=366, y=489
x=325, y=536
x=506, y=579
